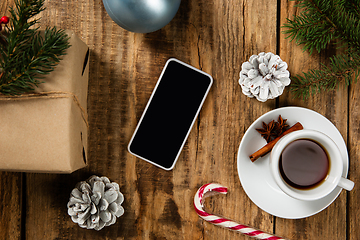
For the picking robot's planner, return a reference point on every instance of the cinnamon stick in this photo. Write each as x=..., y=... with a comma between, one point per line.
x=267, y=148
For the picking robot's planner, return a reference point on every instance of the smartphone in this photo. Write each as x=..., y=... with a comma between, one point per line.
x=170, y=114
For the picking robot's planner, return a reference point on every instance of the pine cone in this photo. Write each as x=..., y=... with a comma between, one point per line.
x=95, y=203
x=264, y=76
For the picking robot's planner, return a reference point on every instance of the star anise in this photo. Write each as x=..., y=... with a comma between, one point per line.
x=280, y=126
x=266, y=131
x=273, y=130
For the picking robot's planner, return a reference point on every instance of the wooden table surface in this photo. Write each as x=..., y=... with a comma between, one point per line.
x=216, y=36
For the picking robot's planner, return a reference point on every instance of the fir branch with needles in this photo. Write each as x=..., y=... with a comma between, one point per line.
x=320, y=24
x=26, y=54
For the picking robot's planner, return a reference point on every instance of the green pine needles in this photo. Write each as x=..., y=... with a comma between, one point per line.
x=321, y=23
x=26, y=54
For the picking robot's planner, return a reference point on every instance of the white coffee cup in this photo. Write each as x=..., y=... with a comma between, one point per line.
x=331, y=181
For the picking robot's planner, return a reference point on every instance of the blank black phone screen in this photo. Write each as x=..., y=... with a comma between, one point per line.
x=170, y=113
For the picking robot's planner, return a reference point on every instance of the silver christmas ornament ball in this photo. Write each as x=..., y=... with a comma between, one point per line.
x=141, y=16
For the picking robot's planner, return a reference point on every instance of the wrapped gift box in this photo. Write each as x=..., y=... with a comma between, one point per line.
x=48, y=132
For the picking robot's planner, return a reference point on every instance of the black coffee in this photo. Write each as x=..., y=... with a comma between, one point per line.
x=304, y=164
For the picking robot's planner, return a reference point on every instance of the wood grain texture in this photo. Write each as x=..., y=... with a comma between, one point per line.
x=353, y=146
x=216, y=37
x=11, y=205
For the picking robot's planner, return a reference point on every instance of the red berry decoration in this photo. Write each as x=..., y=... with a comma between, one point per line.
x=4, y=19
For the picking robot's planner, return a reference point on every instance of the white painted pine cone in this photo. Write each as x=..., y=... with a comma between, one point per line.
x=95, y=203
x=264, y=76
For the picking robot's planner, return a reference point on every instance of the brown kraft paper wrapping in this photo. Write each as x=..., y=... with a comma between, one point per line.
x=49, y=133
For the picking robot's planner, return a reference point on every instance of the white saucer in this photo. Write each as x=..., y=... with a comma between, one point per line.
x=256, y=179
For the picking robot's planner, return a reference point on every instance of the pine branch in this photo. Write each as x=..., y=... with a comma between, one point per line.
x=307, y=30
x=26, y=55
x=342, y=68
x=352, y=6
x=323, y=23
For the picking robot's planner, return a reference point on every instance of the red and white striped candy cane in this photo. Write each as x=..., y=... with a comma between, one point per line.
x=223, y=222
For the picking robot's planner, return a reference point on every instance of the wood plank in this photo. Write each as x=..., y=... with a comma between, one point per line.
x=331, y=222
x=354, y=173
x=11, y=205
x=241, y=31
x=11, y=186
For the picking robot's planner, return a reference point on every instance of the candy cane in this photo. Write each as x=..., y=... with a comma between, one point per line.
x=223, y=222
